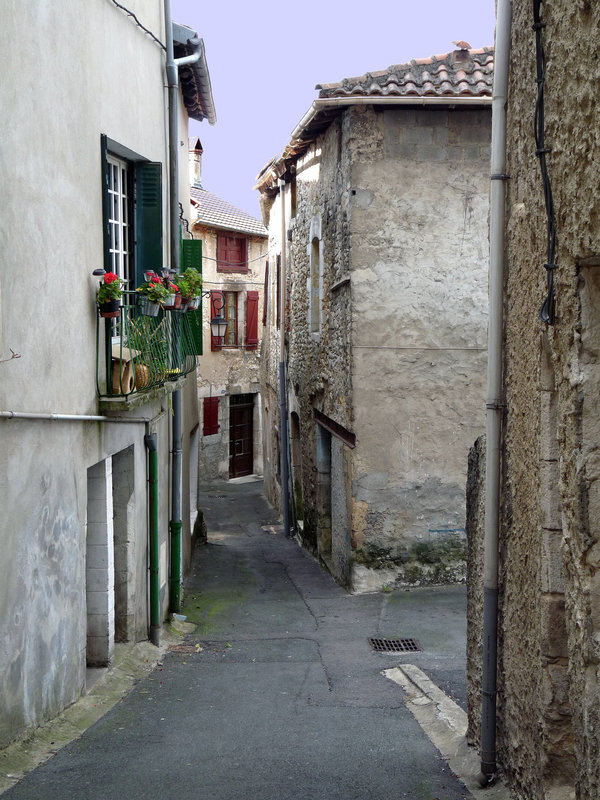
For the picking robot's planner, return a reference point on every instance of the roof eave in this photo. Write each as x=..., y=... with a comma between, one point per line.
x=228, y=227
x=195, y=77
x=325, y=109
x=330, y=103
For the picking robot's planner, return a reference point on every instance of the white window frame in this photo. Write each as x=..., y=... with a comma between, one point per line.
x=119, y=217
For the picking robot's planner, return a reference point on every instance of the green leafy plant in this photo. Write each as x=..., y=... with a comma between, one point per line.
x=150, y=340
x=190, y=283
x=111, y=288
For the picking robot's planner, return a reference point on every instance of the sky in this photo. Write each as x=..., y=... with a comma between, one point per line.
x=265, y=58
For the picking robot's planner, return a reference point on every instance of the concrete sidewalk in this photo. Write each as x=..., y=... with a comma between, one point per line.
x=273, y=690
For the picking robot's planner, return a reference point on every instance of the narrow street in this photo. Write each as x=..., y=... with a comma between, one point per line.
x=277, y=692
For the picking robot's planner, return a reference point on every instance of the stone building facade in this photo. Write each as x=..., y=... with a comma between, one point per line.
x=548, y=699
x=234, y=257
x=384, y=188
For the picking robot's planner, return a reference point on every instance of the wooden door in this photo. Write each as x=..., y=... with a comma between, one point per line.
x=240, y=436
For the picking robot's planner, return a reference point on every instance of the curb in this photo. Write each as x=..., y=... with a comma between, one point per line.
x=445, y=723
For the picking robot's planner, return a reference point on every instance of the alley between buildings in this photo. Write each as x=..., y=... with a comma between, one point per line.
x=276, y=693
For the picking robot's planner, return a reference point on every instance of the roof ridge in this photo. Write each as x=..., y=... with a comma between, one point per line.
x=214, y=210
x=454, y=60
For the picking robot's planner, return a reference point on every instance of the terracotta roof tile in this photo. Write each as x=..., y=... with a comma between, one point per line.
x=461, y=73
x=210, y=210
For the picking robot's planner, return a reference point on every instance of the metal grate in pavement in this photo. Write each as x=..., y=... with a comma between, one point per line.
x=395, y=645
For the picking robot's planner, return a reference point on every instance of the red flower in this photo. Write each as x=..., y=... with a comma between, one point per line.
x=155, y=279
x=109, y=277
x=174, y=287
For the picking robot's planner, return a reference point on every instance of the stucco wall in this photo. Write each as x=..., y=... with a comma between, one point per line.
x=419, y=283
x=398, y=201
x=549, y=699
x=52, y=234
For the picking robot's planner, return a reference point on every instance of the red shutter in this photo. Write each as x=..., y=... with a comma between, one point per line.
x=211, y=416
x=252, y=321
x=216, y=303
x=232, y=253
x=266, y=294
x=221, y=251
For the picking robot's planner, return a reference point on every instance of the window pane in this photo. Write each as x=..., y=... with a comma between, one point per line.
x=120, y=232
x=231, y=317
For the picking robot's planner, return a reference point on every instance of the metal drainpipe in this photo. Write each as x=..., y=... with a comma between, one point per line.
x=494, y=405
x=176, y=489
x=175, y=523
x=282, y=381
x=150, y=440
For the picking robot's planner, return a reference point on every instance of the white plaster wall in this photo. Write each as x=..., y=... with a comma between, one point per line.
x=76, y=77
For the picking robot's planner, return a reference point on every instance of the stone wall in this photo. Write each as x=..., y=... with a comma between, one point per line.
x=393, y=205
x=229, y=371
x=549, y=699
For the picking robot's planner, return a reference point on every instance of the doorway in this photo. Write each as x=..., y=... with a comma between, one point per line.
x=241, y=439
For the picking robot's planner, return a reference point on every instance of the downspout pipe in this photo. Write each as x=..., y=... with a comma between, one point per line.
x=282, y=380
x=151, y=442
x=175, y=523
x=494, y=403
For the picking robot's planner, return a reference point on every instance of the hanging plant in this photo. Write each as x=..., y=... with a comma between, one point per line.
x=109, y=295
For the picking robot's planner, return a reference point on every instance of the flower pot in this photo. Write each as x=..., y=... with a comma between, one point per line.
x=194, y=304
x=173, y=302
x=111, y=308
x=148, y=308
x=142, y=376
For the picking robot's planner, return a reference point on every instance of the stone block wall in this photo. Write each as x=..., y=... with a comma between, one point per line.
x=549, y=692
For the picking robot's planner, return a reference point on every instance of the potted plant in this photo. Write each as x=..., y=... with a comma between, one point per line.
x=190, y=286
x=153, y=294
x=109, y=295
x=173, y=300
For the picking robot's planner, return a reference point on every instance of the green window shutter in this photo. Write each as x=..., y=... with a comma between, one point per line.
x=191, y=254
x=105, y=202
x=148, y=219
x=194, y=321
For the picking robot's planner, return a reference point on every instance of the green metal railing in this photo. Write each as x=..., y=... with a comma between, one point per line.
x=136, y=353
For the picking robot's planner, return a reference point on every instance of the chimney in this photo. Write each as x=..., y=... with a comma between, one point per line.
x=195, y=162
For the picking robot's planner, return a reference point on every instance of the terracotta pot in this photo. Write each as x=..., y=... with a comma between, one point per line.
x=112, y=308
x=142, y=376
x=173, y=302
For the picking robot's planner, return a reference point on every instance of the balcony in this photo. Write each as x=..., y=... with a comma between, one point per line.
x=136, y=354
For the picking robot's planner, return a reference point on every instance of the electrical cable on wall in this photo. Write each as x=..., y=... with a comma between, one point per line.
x=185, y=222
x=547, y=309
x=138, y=23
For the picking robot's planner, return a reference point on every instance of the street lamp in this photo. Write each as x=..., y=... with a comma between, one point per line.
x=218, y=324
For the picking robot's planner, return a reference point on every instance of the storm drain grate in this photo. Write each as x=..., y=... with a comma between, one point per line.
x=395, y=645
